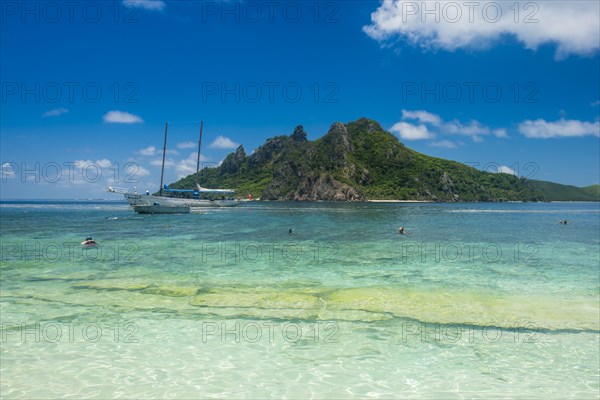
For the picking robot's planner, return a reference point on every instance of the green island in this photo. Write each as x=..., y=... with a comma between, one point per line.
x=360, y=161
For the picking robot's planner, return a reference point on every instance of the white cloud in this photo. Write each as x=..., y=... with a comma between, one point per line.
x=408, y=131
x=541, y=129
x=89, y=172
x=121, y=117
x=474, y=129
x=158, y=162
x=223, y=142
x=147, y=151
x=83, y=163
x=98, y=173
x=432, y=124
x=422, y=116
x=7, y=170
x=501, y=133
x=570, y=25
x=503, y=169
x=444, y=143
x=56, y=112
x=152, y=5
x=141, y=171
x=79, y=178
x=187, y=166
x=186, y=145
x=104, y=163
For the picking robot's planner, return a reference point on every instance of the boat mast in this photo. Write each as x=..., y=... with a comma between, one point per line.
x=162, y=171
x=198, y=161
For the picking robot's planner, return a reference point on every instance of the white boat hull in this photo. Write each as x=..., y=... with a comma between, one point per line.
x=136, y=199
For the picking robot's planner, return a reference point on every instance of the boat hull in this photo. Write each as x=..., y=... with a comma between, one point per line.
x=135, y=199
x=160, y=209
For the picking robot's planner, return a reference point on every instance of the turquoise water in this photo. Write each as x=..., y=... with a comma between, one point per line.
x=477, y=301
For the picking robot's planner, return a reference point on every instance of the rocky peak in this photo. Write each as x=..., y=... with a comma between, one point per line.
x=299, y=134
x=232, y=162
x=339, y=134
x=373, y=127
x=268, y=150
x=368, y=124
x=240, y=153
x=338, y=127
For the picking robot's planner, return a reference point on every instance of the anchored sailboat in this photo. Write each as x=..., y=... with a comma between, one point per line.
x=195, y=196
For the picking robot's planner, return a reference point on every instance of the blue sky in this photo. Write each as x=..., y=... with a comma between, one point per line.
x=88, y=86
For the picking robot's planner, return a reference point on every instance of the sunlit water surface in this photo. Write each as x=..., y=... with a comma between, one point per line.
x=476, y=301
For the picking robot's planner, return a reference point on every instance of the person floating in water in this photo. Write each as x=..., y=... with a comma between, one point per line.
x=291, y=231
x=563, y=221
x=89, y=241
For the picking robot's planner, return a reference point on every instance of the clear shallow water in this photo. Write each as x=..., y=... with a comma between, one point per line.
x=478, y=301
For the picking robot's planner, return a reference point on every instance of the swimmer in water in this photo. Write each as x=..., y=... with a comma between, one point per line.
x=89, y=241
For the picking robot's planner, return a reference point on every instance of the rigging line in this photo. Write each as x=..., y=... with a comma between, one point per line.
x=184, y=122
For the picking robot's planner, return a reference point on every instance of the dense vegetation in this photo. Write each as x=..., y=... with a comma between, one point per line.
x=362, y=161
x=557, y=192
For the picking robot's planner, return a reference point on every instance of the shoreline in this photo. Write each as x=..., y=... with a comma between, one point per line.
x=400, y=201
x=307, y=201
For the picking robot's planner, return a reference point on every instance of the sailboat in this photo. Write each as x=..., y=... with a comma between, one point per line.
x=195, y=200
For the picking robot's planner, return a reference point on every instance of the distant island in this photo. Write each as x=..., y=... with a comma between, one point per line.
x=360, y=161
